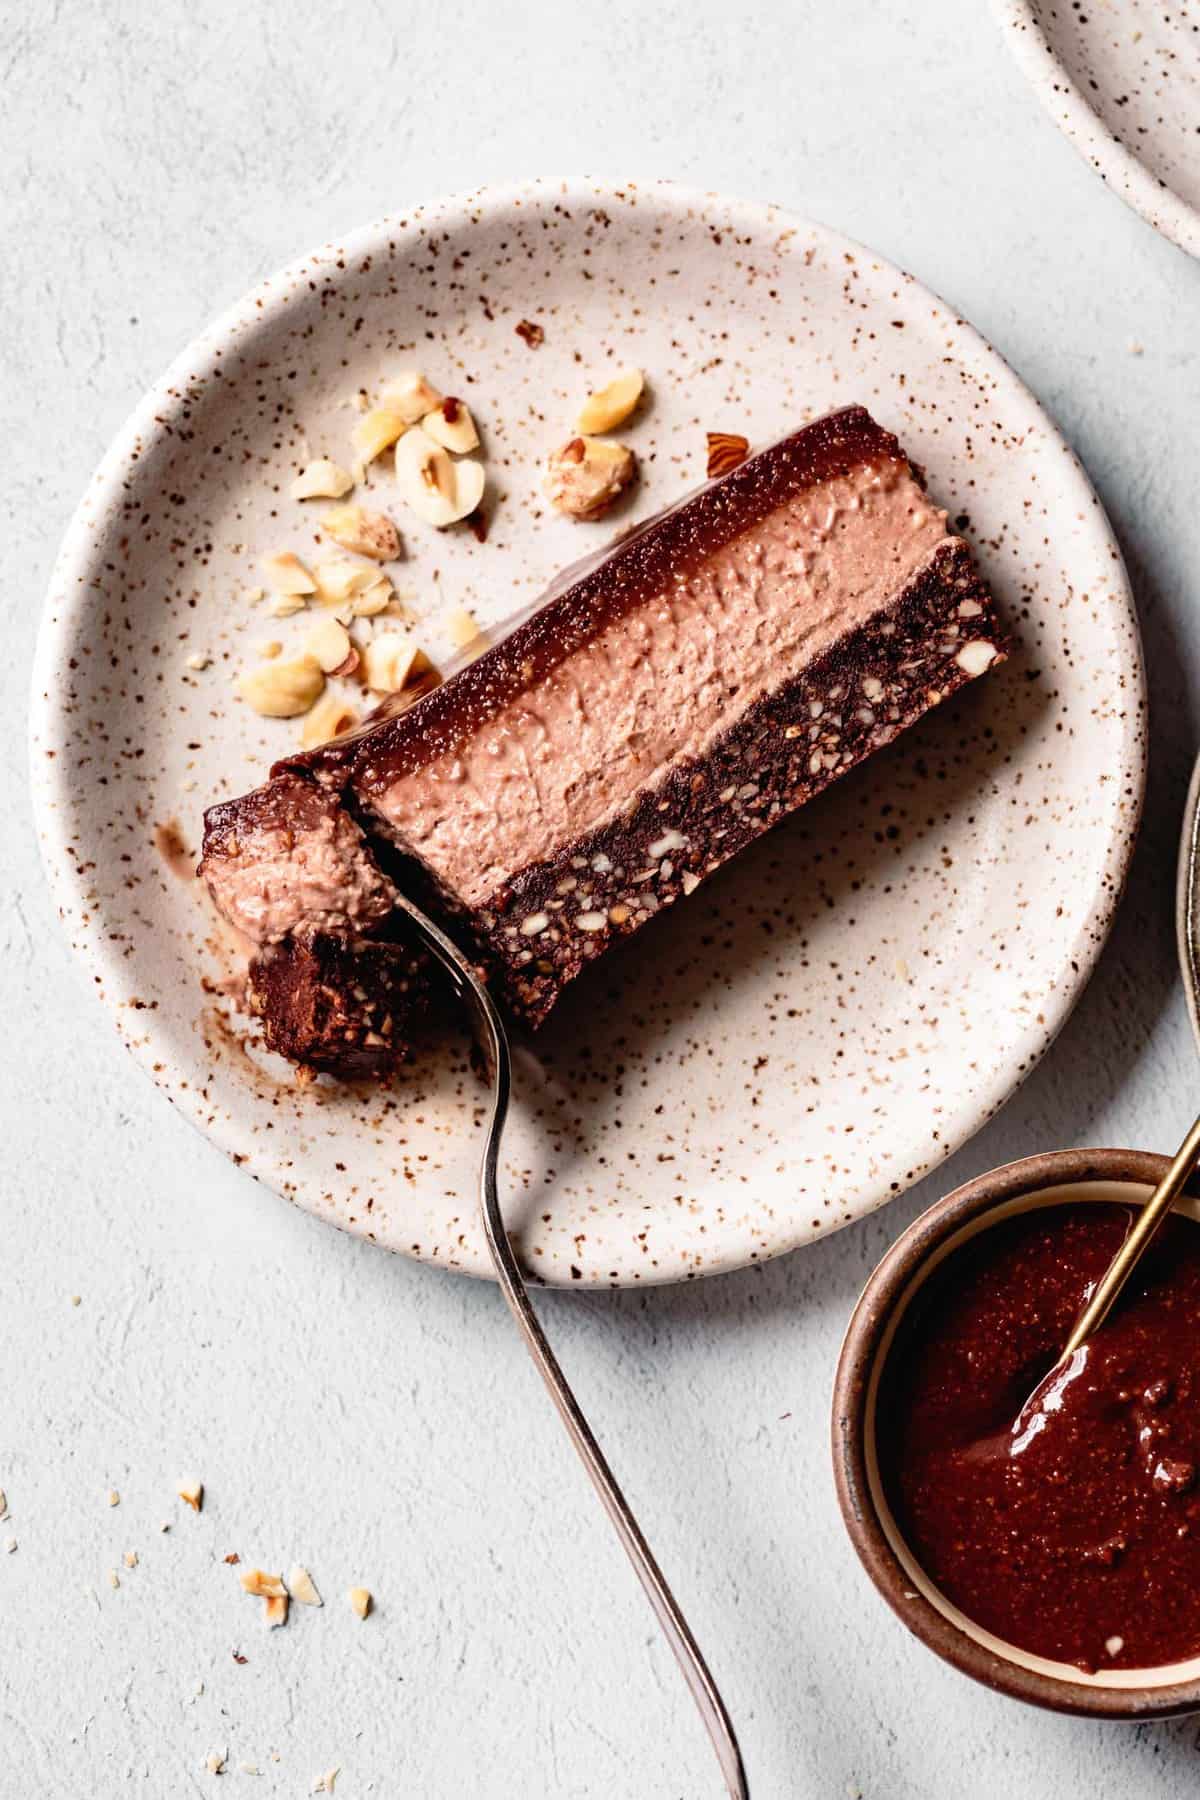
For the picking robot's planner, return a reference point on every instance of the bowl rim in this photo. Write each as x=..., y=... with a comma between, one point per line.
x=865, y=1334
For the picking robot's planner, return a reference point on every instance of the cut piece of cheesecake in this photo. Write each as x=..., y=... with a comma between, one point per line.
x=666, y=704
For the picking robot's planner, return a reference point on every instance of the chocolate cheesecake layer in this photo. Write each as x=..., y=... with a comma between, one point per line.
x=540, y=928
x=289, y=857
x=668, y=702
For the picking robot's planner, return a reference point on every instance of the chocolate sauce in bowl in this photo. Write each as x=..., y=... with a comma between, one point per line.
x=1069, y=1524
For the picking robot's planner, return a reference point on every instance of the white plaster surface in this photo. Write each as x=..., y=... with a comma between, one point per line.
x=377, y=1420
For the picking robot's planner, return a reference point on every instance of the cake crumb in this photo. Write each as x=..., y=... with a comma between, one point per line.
x=192, y=1494
x=76, y=1299
x=131, y=1559
x=360, y=1601
x=324, y=1784
x=114, y=1499
x=214, y=1762
x=199, y=660
x=1136, y=349
x=114, y=1580
x=3, y=1504
x=10, y=1545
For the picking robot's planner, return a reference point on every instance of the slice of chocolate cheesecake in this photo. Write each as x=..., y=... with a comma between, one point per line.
x=666, y=704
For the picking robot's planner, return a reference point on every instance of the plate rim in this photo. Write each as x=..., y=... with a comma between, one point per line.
x=1076, y=118
x=49, y=776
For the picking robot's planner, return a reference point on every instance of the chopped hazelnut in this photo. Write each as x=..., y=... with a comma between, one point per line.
x=286, y=574
x=328, y=643
x=302, y=1587
x=263, y=1585
x=377, y=430
x=586, y=475
x=452, y=426
x=328, y=719
x=322, y=480
x=192, y=1494
x=391, y=660
x=282, y=690
x=367, y=533
x=286, y=605
x=410, y=396
x=463, y=631
x=360, y=1601
x=612, y=404
x=439, y=491
x=976, y=656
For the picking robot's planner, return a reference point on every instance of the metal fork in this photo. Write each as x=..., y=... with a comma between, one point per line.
x=493, y=1040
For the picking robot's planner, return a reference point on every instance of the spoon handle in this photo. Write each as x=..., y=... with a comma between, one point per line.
x=494, y=1042
x=1145, y=1225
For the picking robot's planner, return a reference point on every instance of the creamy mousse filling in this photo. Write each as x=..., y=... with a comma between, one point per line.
x=281, y=870
x=668, y=680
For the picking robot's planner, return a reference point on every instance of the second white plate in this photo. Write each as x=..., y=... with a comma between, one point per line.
x=1122, y=79
x=829, y=1017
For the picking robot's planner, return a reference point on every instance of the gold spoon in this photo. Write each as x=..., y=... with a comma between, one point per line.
x=1187, y=922
x=1105, y=1292
x=493, y=1041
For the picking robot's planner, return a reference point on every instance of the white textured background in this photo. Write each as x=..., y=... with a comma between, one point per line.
x=374, y=1419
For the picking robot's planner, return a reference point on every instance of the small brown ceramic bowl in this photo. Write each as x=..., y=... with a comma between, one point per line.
x=1122, y=1176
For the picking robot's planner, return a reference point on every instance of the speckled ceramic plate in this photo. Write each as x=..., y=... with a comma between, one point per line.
x=1122, y=79
x=828, y=1017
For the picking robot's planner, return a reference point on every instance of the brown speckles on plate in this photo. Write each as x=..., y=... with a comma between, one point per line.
x=647, y=1126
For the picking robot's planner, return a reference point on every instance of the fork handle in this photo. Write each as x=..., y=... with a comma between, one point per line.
x=675, y=1627
x=494, y=1042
